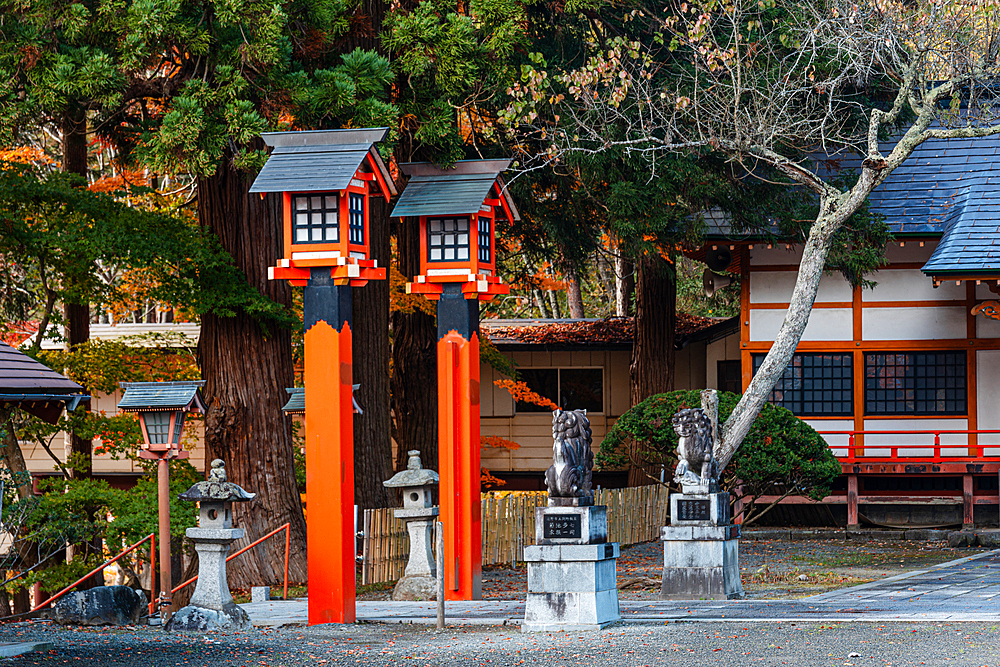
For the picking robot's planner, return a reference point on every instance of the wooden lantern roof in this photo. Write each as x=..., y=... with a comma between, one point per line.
x=162, y=396
x=321, y=161
x=460, y=190
x=34, y=387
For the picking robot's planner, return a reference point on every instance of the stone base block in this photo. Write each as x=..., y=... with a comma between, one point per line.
x=260, y=594
x=701, y=570
x=570, y=612
x=571, y=587
x=231, y=618
x=415, y=588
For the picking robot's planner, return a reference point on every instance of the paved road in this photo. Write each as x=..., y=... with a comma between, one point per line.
x=962, y=590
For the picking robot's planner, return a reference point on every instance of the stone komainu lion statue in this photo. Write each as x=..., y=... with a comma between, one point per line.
x=694, y=448
x=569, y=476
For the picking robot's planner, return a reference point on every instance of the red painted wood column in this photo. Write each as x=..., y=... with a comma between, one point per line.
x=329, y=450
x=458, y=444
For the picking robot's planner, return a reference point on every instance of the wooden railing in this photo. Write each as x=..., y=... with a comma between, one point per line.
x=859, y=442
x=508, y=525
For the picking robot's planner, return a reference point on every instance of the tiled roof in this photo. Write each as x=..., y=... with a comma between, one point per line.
x=143, y=396
x=460, y=189
x=610, y=331
x=319, y=160
x=20, y=374
x=971, y=242
x=34, y=387
x=942, y=179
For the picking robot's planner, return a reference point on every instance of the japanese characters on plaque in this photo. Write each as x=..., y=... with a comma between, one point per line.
x=693, y=510
x=561, y=526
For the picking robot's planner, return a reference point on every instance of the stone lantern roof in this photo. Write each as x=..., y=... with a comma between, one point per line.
x=216, y=489
x=414, y=475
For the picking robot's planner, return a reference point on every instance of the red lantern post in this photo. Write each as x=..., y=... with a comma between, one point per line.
x=326, y=178
x=458, y=208
x=161, y=407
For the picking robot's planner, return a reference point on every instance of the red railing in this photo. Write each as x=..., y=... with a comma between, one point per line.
x=100, y=568
x=856, y=447
x=286, y=527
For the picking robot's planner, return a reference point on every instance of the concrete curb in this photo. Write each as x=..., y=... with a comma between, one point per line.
x=20, y=648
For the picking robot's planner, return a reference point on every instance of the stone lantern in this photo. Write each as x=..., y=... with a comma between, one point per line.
x=417, y=484
x=211, y=607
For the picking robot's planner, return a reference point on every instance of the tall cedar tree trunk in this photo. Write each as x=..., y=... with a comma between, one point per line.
x=370, y=325
x=372, y=438
x=74, y=149
x=652, y=370
x=77, y=315
x=624, y=286
x=574, y=297
x=414, y=364
x=246, y=371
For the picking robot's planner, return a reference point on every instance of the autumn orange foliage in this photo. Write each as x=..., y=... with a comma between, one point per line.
x=486, y=478
x=521, y=392
x=498, y=442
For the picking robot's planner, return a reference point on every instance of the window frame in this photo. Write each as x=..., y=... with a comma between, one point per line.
x=324, y=210
x=962, y=376
x=558, y=395
x=801, y=401
x=468, y=240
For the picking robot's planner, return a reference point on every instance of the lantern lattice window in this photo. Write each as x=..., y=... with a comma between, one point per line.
x=316, y=219
x=448, y=239
x=356, y=218
x=485, y=234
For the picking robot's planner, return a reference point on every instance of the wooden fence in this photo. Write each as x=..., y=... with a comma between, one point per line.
x=508, y=522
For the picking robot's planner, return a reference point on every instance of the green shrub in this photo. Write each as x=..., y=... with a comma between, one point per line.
x=781, y=455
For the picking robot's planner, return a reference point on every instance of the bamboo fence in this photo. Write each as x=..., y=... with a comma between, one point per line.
x=508, y=525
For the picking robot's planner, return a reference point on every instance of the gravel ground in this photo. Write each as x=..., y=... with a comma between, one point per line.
x=689, y=644
x=771, y=569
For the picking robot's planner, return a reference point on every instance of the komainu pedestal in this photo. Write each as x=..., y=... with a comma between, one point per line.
x=700, y=549
x=572, y=577
x=701, y=545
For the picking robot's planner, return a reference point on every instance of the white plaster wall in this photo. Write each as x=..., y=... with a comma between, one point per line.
x=778, y=254
x=912, y=323
x=875, y=444
x=910, y=252
x=776, y=287
x=824, y=324
x=838, y=443
x=987, y=328
x=983, y=293
x=988, y=398
x=910, y=285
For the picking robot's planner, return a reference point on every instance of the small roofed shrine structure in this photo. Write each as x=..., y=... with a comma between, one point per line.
x=458, y=208
x=34, y=387
x=326, y=178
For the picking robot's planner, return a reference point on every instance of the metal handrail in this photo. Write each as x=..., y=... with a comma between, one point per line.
x=285, y=527
x=101, y=567
x=894, y=449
